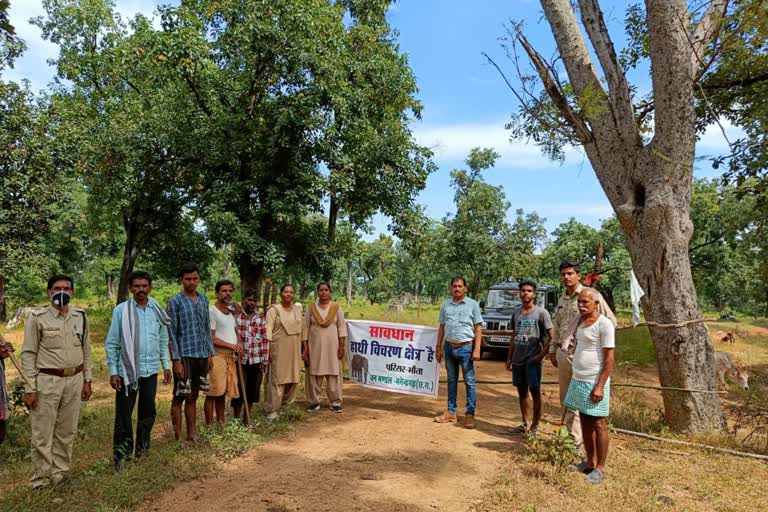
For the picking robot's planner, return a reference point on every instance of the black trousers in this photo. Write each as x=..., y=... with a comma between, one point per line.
x=122, y=441
x=251, y=387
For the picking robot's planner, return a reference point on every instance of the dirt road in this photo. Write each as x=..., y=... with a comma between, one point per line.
x=382, y=453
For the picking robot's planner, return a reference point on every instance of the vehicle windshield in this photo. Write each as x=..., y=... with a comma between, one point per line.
x=498, y=299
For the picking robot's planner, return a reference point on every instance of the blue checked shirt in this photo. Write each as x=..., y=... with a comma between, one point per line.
x=190, y=329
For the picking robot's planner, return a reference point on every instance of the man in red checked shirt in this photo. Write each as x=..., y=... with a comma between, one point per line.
x=252, y=333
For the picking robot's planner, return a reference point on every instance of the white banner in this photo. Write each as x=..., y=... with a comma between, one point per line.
x=393, y=357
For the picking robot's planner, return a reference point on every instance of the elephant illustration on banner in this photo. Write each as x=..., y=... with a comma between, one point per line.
x=359, y=368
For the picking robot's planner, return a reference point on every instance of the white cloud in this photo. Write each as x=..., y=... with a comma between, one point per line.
x=452, y=142
x=130, y=8
x=713, y=142
x=33, y=64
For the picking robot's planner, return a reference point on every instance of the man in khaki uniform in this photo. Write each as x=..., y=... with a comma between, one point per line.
x=565, y=323
x=56, y=357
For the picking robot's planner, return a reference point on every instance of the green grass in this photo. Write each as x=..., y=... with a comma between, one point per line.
x=635, y=347
x=363, y=310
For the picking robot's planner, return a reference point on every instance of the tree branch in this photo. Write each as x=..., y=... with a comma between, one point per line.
x=647, y=109
x=614, y=269
x=572, y=46
x=737, y=82
x=581, y=129
x=670, y=52
x=706, y=31
x=704, y=244
x=620, y=96
x=198, y=99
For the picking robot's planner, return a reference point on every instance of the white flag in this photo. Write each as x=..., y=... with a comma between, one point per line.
x=635, y=294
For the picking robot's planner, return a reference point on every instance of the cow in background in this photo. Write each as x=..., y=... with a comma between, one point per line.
x=724, y=366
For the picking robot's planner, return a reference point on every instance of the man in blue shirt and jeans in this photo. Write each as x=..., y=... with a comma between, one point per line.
x=458, y=339
x=191, y=349
x=136, y=347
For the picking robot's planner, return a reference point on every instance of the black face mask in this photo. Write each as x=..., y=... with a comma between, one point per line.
x=61, y=299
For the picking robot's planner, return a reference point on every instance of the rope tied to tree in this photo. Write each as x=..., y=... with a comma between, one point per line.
x=663, y=326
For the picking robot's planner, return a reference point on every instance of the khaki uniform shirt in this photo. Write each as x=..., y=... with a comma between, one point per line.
x=568, y=310
x=56, y=340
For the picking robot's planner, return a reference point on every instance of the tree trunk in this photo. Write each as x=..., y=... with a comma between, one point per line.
x=474, y=288
x=110, y=278
x=349, y=282
x=251, y=274
x=333, y=215
x=267, y=290
x=766, y=303
x=130, y=255
x=3, y=305
x=685, y=356
x=418, y=298
x=607, y=294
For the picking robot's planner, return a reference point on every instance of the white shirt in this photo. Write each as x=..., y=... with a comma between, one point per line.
x=590, y=341
x=224, y=325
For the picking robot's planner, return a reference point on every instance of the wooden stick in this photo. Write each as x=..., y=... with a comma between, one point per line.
x=15, y=362
x=667, y=388
x=265, y=378
x=665, y=326
x=688, y=443
x=21, y=372
x=247, y=419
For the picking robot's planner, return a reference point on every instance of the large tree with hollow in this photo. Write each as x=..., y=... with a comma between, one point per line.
x=647, y=179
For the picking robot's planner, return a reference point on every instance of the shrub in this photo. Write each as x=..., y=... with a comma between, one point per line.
x=558, y=449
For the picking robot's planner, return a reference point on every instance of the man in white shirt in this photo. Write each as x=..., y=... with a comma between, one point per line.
x=222, y=379
x=564, y=321
x=589, y=391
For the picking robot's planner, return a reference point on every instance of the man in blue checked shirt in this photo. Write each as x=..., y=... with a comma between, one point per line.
x=191, y=349
x=458, y=339
x=136, y=347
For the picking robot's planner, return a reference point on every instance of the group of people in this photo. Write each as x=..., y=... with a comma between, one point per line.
x=224, y=350
x=227, y=349
x=579, y=341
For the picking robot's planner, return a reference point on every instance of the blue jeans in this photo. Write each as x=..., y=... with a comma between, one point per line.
x=455, y=358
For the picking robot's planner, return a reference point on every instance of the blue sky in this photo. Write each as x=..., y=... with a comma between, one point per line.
x=466, y=103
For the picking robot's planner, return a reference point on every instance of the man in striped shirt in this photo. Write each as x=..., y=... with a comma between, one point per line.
x=191, y=349
x=252, y=333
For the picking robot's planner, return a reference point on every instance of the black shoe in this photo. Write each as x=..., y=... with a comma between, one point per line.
x=335, y=408
x=313, y=407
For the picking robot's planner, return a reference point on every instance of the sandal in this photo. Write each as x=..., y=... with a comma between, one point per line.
x=581, y=467
x=595, y=477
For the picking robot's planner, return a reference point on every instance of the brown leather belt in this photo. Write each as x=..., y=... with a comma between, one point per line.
x=61, y=372
x=458, y=345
